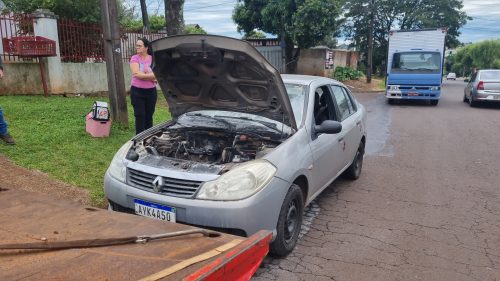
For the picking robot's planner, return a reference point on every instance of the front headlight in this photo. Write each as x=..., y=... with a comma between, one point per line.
x=117, y=168
x=393, y=87
x=435, y=88
x=239, y=183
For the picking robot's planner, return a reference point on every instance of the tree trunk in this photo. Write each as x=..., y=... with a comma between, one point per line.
x=291, y=56
x=174, y=12
x=145, y=18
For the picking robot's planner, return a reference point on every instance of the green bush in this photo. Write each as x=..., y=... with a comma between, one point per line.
x=346, y=73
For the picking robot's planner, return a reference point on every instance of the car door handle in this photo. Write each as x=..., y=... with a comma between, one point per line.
x=358, y=123
x=341, y=139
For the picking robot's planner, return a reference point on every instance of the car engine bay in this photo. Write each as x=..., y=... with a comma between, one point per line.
x=206, y=146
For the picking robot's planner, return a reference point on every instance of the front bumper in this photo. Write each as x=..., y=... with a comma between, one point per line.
x=252, y=214
x=413, y=94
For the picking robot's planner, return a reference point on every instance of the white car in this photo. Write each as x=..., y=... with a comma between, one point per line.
x=451, y=76
x=246, y=149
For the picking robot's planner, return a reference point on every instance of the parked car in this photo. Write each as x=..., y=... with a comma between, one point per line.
x=246, y=149
x=451, y=76
x=483, y=86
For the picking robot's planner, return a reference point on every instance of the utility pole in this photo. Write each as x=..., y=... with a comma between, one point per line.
x=370, y=45
x=145, y=18
x=114, y=66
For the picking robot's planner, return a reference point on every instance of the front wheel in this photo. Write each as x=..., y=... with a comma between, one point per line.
x=289, y=223
x=434, y=102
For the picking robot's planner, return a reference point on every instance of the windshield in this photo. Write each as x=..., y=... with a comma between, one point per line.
x=231, y=120
x=297, y=95
x=416, y=62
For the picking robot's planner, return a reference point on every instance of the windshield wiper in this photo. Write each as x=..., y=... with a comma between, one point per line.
x=269, y=125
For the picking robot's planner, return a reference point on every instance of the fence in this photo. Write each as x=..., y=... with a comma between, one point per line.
x=83, y=42
x=80, y=42
x=130, y=38
x=15, y=25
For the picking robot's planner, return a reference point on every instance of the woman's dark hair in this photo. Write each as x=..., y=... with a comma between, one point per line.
x=147, y=44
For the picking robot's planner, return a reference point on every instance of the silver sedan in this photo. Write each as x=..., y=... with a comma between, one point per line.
x=246, y=149
x=483, y=86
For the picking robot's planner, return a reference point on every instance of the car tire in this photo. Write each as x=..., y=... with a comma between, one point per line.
x=465, y=98
x=289, y=223
x=354, y=170
x=434, y=102
x=390, y=101
x=472, y=103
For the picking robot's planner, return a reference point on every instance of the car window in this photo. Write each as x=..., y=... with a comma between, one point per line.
x=342, y=102
x=473, y=77
x=297, y=95
x=350, y=100
x=490, y=75
x=324, y=107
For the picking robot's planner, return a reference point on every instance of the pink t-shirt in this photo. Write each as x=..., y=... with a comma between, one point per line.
x=144, y=66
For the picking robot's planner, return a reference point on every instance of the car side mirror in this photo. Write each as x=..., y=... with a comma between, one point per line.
x=328, y=127
x=466, y=80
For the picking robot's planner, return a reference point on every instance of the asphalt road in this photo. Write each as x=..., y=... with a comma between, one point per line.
x=427, y=205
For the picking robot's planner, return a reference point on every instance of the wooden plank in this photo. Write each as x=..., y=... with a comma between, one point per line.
x=185, y=263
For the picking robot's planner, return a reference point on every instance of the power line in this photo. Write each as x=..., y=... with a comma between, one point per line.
x=204, y=7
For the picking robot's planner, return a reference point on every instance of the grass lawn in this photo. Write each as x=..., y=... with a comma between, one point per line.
x=50, y=137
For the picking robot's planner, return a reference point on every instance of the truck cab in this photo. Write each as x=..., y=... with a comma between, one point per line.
x=415, y=73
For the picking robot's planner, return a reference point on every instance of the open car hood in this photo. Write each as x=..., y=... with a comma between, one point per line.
x=199, y=72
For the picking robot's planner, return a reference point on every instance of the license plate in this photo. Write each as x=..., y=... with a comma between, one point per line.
x=155, y=211
x=412, y=94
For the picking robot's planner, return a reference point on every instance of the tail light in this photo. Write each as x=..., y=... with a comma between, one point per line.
x=480, y=85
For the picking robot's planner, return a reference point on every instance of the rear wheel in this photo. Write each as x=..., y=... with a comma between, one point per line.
x=472, y=102
x=354, y=171
x=289, y=223
x=434, y=102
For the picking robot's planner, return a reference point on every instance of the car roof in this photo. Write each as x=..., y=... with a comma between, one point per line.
x=307, y=79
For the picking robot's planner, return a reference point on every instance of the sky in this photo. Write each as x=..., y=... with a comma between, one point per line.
x=215, y=16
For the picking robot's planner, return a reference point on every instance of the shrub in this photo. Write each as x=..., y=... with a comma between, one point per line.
x=346, y=73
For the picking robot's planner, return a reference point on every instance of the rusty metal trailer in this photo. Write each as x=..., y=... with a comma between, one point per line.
x=30, y=218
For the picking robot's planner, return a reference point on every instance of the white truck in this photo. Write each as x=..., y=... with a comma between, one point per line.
x=415, y=62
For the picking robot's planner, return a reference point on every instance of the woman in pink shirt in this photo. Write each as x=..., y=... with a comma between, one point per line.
x=143, y=87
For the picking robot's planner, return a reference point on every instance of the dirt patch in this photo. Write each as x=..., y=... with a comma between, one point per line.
x=360, y=86
x=15, y=177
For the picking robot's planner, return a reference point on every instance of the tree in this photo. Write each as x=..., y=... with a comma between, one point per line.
x=483, y=55
x=301, y=23
x=156, y=23
x=254, y=34
x=84, y=11
x=395, y=14
x=175, y=16
x=194, y=29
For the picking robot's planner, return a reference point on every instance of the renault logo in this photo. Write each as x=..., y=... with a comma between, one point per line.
x=157, y=184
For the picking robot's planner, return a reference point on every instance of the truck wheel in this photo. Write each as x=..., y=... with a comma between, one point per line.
x=434, y=102
x=390, y=101
x=289, y=223
x=354, y=171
